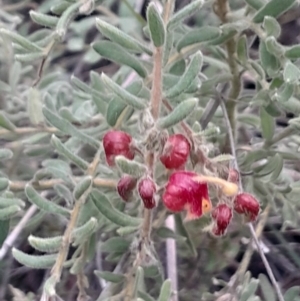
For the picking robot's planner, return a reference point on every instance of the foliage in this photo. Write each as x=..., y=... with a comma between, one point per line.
x=73, y=70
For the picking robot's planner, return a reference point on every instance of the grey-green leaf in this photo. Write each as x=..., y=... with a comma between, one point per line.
x=43, y=203
x=199, y=35
x=119, y=55
x=127, y=97
x=189, y=75
x=120, y=37
x=184, y=109
x=34, y=261
x=115, y=216
x=156, y=25
x=273, y=8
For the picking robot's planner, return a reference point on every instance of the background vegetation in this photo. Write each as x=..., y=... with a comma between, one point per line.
x=56, y=107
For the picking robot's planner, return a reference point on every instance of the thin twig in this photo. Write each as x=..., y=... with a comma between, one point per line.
x=11, y=238
x=250, y=225
x=16, y=186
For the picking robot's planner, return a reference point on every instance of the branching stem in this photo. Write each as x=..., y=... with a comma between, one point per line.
x=250, y=225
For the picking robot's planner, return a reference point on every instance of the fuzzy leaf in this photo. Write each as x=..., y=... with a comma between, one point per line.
x=18, y=39
x=34, y=261
x=111, y=277
x=273, y=8
x=8, y=212
x=293, y=52
x=184, y=13
x=115, y=216
x=127, y=97
x=199, y=35
x=43, y=203
x=120, y=37
x=5, y=202
x=5, y=154
x=184, y=109
x=43, y=19
x=85, y=231
x=47, y=245
x=82, y=187
x=63, y=150
x=267, y=288
x=189, y=75
x=156, y=25
x=68, y=128
x=119, y=55
x=272, y=27
x=130, y=167
x=165, y=292
x=256, y=4
x=291, y=73
x=6, y=123
x=267, y=124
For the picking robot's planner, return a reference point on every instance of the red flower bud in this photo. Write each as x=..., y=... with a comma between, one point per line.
x=117, y=143
x=222, y=215
x=247, y=204
x=175, y=152
x=147, y=190
x=233, y=176
x=183, y=193
x=125, y=187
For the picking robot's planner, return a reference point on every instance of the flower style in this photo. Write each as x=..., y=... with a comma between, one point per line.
x=184, y=193
x=175, y=152
x=247, y=204
x=117, y=143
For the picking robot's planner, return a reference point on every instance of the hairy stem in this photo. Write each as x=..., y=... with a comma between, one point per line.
x=16, y=186
x=222, y=9
x=250, y=225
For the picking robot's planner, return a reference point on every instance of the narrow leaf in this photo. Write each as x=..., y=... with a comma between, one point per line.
x=267, y=123
x=184, y=109
x=63, y=150
x=119, y=55
x=68, y=128
x=130, y=167
x=156, y=25
x=190, y=73
x=82, y=186
x=199, y=35
x=127, y=97
x=84, y=231
x=8, y=212
x=34, y=261
x=111, y=213
x=184, y=13
x=18, y=39
x=43, y=203
x=273, y=8
x=47, y=245
x=120, y=37
x=6, y=123
x=5, y=154
x=165, y=292
x=110, y=277
x=43, y=19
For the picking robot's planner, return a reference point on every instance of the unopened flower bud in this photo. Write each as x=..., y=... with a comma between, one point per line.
x=222, y=215
x=147, y=190
x=126, y=186
x=247, y=204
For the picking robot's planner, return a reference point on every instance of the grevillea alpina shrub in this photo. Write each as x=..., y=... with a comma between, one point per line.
x=133, y=151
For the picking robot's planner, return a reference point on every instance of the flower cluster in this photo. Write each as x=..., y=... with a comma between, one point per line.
x=185, y=190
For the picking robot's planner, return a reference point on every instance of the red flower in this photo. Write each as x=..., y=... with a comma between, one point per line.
x=147, y=190
x=175, y=152
x=247, y=204
x=222, y=215
x=233, y=176
x=117, y=143
x=183, y=193
x=125, y=187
